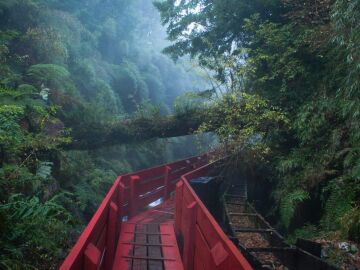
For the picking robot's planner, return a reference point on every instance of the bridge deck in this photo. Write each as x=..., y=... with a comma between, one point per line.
x=147, y=241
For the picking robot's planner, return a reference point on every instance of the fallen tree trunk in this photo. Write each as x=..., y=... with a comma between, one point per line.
x=95, y=135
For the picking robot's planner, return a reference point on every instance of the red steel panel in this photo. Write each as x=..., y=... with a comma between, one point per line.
x=134, y=179
x=75, y=259
x=111, y=234
x=92, y=257
x=178, y=206
x=145, y=187
x=152, y=172
x=210, y=229
x=202, y=252
x=171, y=250
x=100, y=244
x=187, y=196
x=188, y=225
x=167, y=182
x=219, y=254
x=123, y=249
x=121, y=211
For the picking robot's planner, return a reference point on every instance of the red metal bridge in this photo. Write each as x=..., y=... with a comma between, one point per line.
x=126, y=232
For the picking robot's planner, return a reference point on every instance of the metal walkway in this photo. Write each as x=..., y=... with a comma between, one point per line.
x=148, y=242
x=126, y=233
x=260, y=243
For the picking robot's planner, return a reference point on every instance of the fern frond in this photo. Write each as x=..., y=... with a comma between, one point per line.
x=289, y=203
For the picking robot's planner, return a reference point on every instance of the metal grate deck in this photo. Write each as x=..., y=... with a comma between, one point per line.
x=147, y=241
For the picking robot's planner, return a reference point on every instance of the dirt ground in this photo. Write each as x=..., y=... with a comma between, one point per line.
x=270, y=260
x=242, y=221
x=233, y=208
x=253, y=239
x=344, y=254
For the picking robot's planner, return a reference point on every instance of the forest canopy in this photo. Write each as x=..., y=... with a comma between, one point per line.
x=279, y=86
x=76, y=75
x=290, y=109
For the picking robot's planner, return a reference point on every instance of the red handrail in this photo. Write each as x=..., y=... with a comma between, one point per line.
x=130, y=194
x=205, y=245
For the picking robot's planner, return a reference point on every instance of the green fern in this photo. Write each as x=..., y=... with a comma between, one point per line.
x=308, y=231
x=350, y=224
x=289, y=203
x=48, y=72
x=32, y=223
x=51, y=76
x=339, y=201
x=32, y=208
x=44, y=169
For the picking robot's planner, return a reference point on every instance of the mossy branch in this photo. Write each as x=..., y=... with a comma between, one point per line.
x=95, y=135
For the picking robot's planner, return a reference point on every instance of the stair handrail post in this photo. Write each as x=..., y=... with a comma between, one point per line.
x=121, y=200
x=178, y=205
x=134, y=179
x=120, y=204
x=188, y=230
x=167, y=182
x=111, y=235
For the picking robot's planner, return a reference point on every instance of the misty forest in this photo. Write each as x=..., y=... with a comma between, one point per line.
x=93, y=89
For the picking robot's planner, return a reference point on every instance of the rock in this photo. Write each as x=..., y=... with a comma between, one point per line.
x=344, y=246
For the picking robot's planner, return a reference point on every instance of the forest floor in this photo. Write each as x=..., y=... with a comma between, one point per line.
x=345, y=254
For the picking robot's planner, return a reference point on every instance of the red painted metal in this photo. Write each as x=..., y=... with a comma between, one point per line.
x=167, y=182
x=110, y=235
x=189, y=214
x=134, y=181
x=76, y=259
x=169, y=239
x=205, y=244
x=92, y=257
x=164, y=252
x=178, y=196
x=209, y=237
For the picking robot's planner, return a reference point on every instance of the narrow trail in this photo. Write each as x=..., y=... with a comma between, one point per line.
x=260, y=243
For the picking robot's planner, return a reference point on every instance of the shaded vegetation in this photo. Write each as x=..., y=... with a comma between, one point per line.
x=291, y=73
x=282, y=95
x=77, y=75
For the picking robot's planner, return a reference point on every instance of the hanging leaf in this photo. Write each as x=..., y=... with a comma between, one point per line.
x=44, y=170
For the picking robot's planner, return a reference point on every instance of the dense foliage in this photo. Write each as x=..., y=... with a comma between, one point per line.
x=70, y=72
x=284, y=101
x=291, y=73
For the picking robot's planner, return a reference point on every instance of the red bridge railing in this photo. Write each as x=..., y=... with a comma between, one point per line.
x=129, y=195
x=205, y=245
